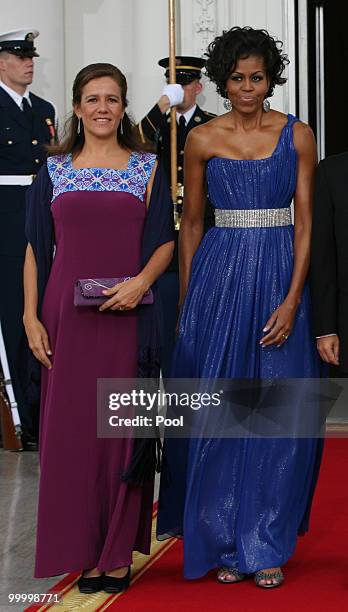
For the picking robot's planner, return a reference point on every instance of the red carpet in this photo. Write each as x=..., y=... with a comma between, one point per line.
x=316, y=577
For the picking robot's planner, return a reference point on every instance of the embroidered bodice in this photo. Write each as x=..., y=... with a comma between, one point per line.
x=133, y=179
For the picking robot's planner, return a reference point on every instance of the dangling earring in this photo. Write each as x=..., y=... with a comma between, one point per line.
x=266, y=106
x=79, y=126
x=121, y=128
x=227, y=104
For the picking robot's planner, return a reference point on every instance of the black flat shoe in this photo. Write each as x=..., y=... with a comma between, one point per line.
x=93, y=584
x=111, y=584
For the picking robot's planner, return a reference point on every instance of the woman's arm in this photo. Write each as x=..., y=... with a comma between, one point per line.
x=127, y=295
x=282, y=320
x=192, y=221
x=36, y=333
x=303, y=206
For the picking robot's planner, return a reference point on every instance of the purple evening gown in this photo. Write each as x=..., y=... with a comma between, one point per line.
x=87, y=516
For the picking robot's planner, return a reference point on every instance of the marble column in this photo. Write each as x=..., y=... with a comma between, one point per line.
x=150, y=43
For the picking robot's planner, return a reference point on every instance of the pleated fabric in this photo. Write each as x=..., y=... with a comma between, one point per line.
x=241, y=502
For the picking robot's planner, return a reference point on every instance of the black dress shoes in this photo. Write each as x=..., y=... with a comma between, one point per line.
x=111, y=584
x=94, y=584
x=29, y=442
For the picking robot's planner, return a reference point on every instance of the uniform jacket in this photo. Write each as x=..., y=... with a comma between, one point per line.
x=329, y=252
x=22, y=151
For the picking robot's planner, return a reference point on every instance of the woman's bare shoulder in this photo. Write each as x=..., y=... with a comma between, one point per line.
x=302, y=128
x=197, y=137
x=274, y=120
x=303, y=136
x=201, y=135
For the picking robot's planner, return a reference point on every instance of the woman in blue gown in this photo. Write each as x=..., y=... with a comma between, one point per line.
x=240, y=503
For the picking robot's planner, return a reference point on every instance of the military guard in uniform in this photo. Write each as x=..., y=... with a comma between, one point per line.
x=155, y=127
x=27, y=124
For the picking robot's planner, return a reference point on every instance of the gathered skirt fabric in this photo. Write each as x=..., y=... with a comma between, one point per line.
x=88, y=517
x=240, y=502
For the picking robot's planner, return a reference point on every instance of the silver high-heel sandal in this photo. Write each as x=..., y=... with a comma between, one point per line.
x=234, y=575
x=277, y=578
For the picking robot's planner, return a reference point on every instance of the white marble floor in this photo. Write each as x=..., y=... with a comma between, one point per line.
x=18, y=497
x=19, y=475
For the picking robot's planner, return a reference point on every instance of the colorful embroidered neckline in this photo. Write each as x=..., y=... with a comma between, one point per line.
x=65, y=178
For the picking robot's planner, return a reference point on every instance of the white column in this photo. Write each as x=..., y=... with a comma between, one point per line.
x=303, y=64
x=199, y=26
x=150, y=41
x=47, y=17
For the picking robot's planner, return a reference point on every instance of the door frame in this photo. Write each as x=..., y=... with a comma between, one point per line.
x=290, y=28
x=302, y=76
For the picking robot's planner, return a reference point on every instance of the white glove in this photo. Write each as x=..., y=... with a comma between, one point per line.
x=174, y=93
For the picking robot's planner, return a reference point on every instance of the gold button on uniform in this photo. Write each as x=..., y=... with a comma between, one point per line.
x=10, y=142
x=180, y=201
x=181, y=152
x=34, y=142
x=37, y=161
x=179, y=168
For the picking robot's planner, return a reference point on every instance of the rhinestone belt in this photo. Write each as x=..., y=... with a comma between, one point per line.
x=261, y=217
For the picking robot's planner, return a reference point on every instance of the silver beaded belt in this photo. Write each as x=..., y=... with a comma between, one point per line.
x=261, y=217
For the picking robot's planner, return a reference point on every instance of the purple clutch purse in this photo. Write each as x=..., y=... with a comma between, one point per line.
x=88, y=291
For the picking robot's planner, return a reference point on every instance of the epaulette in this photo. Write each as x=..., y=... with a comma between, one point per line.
x=55, y=109
x=209, y=114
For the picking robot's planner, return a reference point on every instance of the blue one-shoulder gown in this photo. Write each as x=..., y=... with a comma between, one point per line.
x=240, y=503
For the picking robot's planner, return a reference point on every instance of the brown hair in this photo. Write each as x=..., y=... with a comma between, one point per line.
x=72, y=141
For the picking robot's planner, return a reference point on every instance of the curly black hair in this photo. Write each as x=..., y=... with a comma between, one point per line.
x=239, y=43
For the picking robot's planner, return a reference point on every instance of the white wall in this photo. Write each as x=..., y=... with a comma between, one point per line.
x=133, y=34
x=96, y=31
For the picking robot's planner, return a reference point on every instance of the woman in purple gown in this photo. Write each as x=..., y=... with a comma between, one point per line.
x=101, y=202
